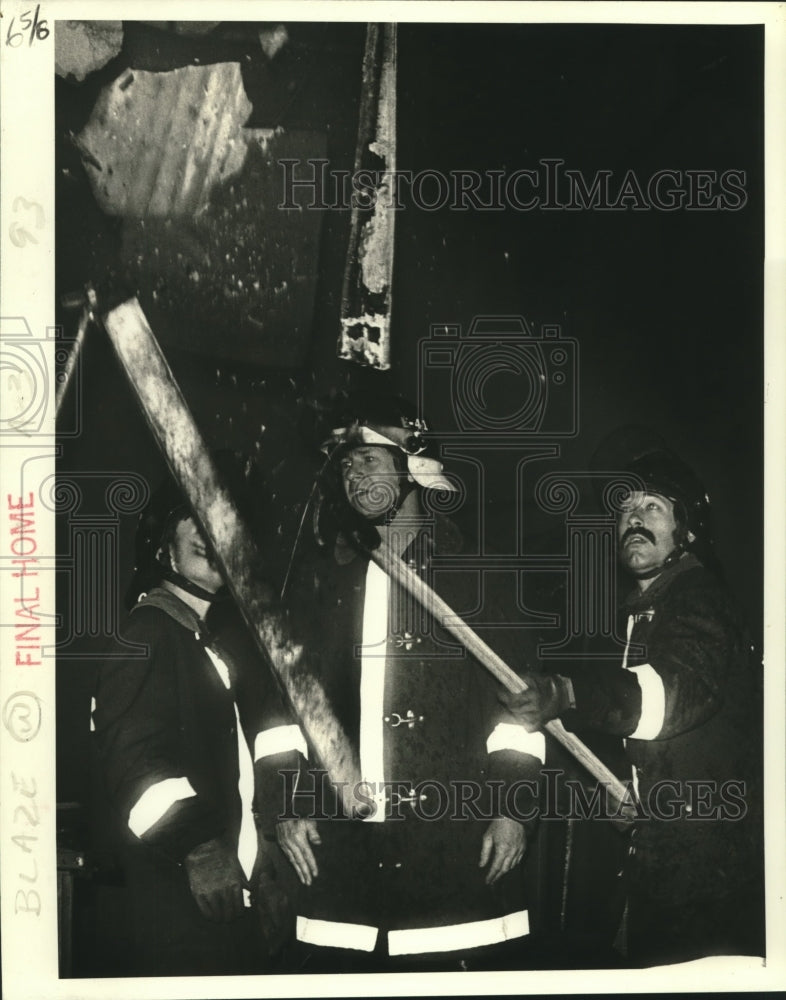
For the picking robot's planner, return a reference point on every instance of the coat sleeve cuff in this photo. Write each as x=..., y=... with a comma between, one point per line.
x=181, y=827
x=608, y=701
x=517, y=773
x=275, y=778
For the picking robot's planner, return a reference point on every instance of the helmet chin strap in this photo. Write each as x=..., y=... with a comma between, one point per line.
x=674, y=556
x=406, y=486
x=168, y=572
x=189, y=586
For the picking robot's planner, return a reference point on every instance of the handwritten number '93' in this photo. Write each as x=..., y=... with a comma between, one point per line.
x=20, y=236
x=37, y=29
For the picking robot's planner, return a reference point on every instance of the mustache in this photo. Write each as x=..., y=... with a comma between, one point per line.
x=644, y=532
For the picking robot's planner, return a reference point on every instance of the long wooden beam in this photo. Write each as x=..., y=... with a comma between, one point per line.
x=441, y=611
x=189, y=460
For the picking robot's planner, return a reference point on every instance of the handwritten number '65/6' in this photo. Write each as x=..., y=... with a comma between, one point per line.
x=29, y=22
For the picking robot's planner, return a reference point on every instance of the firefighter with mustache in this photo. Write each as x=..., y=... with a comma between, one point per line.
x=686, y=700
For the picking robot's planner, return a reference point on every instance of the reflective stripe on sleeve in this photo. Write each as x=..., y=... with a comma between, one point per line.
x=653, y=702
x=454, y=937
x=336, y=934
x=155, y=801
x=510, y=736
x=279, y=740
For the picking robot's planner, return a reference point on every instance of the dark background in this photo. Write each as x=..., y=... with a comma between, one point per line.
x=666, y=307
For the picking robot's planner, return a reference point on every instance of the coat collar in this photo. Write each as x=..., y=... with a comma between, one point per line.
x=168, y=602
x=636, y=599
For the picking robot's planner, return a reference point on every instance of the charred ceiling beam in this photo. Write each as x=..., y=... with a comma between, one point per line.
x=367, y=294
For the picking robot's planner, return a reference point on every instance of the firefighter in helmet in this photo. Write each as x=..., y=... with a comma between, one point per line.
x=419, y=881
x=686, y=700
x=174, y=725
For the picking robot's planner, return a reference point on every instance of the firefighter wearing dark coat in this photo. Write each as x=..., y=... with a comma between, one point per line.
x=686, y=698
x=175, y=727
x=430, y=877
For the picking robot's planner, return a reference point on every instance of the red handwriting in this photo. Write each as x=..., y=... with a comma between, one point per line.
x=24, y=545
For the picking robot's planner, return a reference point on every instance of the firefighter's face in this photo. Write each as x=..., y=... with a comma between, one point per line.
x=370, y=479
x=189, y=556
x=647, y=532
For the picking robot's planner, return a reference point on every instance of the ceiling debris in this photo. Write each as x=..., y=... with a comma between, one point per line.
x=273, y=40
x=84, y=46
x=165, y=140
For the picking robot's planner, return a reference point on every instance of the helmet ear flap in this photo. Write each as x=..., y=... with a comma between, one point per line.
x=689, y=523
x=683, y=536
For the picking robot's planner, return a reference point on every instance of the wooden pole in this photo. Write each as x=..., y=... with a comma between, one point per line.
x=73, y=357
x=191, y=465
x=398, y=570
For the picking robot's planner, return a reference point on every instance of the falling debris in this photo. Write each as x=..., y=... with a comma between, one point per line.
x=219, y=269
x=165, y=140
x=84, y=46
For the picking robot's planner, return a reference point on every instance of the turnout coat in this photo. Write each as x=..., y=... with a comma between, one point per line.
x=438, y=751
x=174, y=732
x=688, y=703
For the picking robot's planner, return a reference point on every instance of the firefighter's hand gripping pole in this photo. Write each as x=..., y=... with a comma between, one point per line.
x=398, y=570
x=189, y=460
